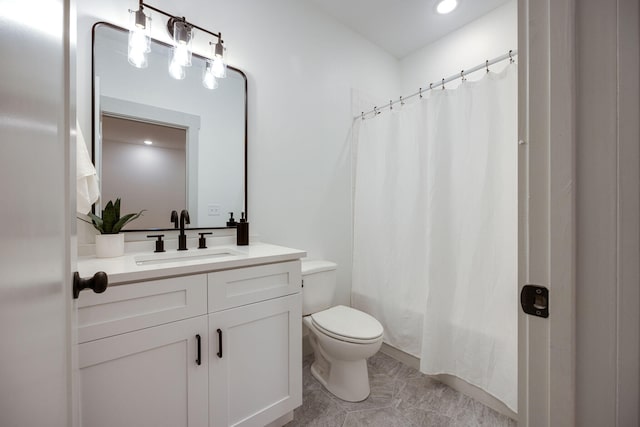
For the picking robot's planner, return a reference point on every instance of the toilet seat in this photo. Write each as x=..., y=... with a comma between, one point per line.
x=348, y=324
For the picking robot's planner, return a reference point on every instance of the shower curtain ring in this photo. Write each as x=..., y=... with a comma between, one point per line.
x=486, y=64
x=511, y=61
x=442, y=84
x=401, y=101
x=390, y=105
x=431, y=86
x=462, y=75
x=362, y=115
x=420, y=93
x=375, y=111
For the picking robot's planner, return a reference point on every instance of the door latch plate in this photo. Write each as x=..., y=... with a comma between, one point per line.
x=535, y=300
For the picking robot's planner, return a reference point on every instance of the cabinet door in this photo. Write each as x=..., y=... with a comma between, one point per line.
x=145, y=378
x=255, y=365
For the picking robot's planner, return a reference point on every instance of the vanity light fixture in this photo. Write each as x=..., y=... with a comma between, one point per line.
x=219, y=63
x=446, y=6
x=182, y=33
x=215, y=68
x=139, y=38
x=148, y=142
x=182, y=37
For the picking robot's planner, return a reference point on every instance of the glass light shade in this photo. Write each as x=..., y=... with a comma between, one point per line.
x=219, y=63
x=446, y=6
x=176, y=70
x=182, y=38
x=139, y=38
x=208, y=79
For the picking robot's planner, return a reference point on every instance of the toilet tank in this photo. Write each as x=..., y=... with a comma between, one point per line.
x=319, y=285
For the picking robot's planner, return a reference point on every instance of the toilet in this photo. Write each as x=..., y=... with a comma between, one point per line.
x=342, y=338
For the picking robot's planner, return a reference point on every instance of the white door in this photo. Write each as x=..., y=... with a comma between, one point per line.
x=37, y=115
x=255, y=368
x=153, y=377
x=579, y=211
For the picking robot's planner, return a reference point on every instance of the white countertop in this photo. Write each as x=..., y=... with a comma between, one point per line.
x=125, y=269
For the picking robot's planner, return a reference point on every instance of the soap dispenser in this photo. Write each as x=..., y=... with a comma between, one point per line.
x=232, y=221
x=243, y=231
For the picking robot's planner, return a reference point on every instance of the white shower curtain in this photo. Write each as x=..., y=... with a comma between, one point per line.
x=435, y=226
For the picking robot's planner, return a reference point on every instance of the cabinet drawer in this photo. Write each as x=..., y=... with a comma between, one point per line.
x=136, y=306
x=233, y=288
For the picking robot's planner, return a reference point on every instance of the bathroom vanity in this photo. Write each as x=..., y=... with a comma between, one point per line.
x=207, y=338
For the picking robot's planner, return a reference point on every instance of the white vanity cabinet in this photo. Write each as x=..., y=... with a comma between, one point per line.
x=217, y=348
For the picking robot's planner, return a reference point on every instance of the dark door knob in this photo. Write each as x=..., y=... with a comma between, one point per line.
x=98, y=283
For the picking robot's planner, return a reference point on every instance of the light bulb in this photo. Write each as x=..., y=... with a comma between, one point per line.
x=208, y=79
x=137, y=58
x=182, y=36
x=218, y=63
x=139, y=38
x=446, y=6
x=176, y=70
x=181, y=55
x=219, y=68
x=138, y=41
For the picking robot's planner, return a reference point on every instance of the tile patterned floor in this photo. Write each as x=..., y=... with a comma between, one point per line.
x=400, y=396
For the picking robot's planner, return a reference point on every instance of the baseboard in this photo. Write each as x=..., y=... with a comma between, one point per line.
x=452, y=381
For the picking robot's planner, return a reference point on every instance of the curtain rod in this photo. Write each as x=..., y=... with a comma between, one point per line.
x=441, y=84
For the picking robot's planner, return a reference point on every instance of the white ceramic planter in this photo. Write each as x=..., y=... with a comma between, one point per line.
x=109, y=245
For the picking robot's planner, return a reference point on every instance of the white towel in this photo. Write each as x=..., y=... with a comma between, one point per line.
x=87, y=187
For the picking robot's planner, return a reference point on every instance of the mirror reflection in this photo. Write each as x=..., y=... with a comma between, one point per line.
x=194, y=155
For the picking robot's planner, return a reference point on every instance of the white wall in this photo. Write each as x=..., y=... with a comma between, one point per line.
x=301, y=66
x=489, y=36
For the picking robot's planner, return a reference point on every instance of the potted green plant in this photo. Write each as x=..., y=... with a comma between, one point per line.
x=110, y=242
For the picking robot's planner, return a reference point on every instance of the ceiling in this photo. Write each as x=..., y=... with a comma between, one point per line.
x=136, y=132
x=403, y=26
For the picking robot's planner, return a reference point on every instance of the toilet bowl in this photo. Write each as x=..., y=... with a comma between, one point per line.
x=342, y=338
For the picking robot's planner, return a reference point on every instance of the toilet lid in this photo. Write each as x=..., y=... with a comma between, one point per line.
x=348, y=323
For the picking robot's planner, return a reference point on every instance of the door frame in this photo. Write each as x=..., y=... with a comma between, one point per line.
x=546, y=206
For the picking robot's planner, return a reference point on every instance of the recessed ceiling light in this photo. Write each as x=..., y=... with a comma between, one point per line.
x=148, y=142
x=446, y=6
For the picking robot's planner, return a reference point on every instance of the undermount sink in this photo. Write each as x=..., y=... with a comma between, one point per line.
x=189, y=255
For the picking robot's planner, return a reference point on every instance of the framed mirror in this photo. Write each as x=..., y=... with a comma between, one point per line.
x=162, y=144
